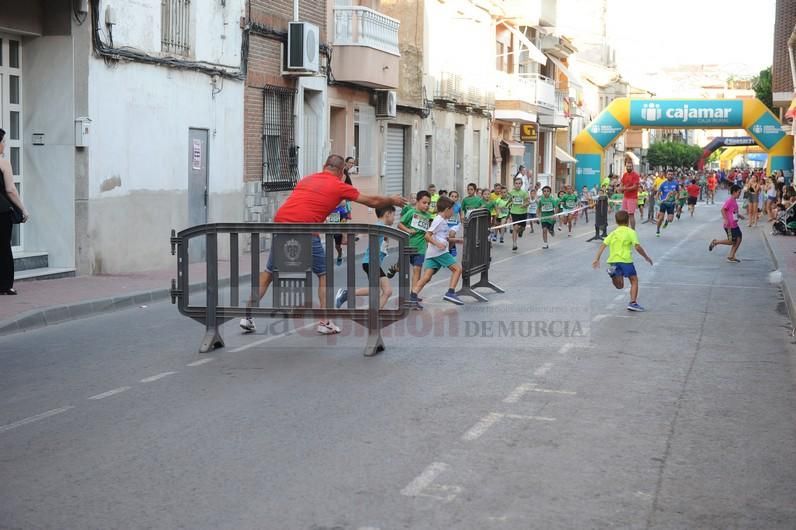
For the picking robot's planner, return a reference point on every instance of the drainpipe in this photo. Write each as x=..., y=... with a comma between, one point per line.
x=295, y=10
x=792, y=55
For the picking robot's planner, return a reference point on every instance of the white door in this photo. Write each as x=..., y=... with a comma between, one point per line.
x=11, y=112
x=394, y=161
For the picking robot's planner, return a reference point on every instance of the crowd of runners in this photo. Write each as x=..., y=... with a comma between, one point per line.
x=434, y=219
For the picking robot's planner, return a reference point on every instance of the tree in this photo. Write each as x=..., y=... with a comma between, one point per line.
x=762, y=87
x=673, y=154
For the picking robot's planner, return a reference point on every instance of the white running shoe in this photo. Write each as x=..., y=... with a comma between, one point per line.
x=327, y=328
x=247, y=325
x=545, y=246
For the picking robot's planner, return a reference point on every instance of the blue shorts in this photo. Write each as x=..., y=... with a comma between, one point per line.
x=625, y=270
x=318, y=258
x=733, y=234
x=416, y=260
x=667, y=208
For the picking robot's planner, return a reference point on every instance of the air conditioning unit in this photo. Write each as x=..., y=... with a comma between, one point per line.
x=386, y=104
x=303, y=40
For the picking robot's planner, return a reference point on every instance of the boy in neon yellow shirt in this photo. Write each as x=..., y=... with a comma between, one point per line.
x=621, y=243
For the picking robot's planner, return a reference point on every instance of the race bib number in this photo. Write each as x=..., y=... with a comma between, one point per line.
x=547, y=207
x=502, y=212
x=334, y=217
x=532, y=207
x=433, y=206
x=571, y=204
x=517, y=200
x=420, y=223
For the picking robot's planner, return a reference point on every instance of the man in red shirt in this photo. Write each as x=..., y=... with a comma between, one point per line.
x=630, y=184
x=314, y=198
x=713, y=182
x=693, y=190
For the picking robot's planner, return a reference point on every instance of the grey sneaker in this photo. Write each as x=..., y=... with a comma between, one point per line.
x=247, y=325
x=340, y=298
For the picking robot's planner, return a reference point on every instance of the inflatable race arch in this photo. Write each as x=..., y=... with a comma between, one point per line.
x=623, y=113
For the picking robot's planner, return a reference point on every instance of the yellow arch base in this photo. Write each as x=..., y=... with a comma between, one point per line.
x=749, y=114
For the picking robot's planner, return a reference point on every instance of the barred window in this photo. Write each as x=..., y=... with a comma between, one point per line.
x=175, y=26
x=280, y=152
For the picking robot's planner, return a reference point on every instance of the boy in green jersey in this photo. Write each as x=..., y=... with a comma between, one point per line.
x=433, y=198
x=616, y=201
x=502, y=211
x=642, y=198
x=472, y=201
x=489, y=204
x=569, y=201
x=518, y=200
x=621, y=243
x=547, y=212
x=415, y=222
x=682, y=196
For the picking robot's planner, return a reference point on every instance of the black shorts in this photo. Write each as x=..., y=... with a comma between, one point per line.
x=366, y=268
x=517, y=217
x=667, y=208
x=734, y=234
x=692, y=201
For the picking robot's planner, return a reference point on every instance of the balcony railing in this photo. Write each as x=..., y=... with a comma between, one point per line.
x=531, y=88
x=455, y=88
x=362, y=26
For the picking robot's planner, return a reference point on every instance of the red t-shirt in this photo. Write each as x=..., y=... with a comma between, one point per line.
x=631, y=179
x=314, y=198
x=693, y=190
x=711, y=183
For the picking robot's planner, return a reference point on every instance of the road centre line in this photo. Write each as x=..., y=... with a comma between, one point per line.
x=201, y=361
x=31, y=419
x=269, y=339
x=110, y=393
x=542, y=370
x=157, y=377
x=424, y=479
x=517, y=393
x=485, y=423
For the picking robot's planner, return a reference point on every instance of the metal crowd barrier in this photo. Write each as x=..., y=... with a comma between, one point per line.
x=477, y=254
x=600, y=218
x=293, y=283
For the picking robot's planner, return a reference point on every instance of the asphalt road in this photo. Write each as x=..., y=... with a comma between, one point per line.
x=592, y=417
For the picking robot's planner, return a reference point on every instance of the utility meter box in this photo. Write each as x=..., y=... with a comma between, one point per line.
x=82, y=130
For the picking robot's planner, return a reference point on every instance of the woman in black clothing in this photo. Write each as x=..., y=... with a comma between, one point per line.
x=9, y=192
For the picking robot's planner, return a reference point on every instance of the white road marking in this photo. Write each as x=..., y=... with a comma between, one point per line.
x=483, y=425
x=597, y=318
x=664, y=285
x=443, y=492
x=272, y=337
x=539, y=372
x=201, y=362
x=565, y=348
x=521, y=417
x=110, y=393
x=156, y=377
x=32, y=419
x=775, y=277
x=549, y=391
x=518, y=392
x=424, y=479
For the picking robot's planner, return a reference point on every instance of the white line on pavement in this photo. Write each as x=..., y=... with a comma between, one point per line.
x=565, y=348
x=597, y=318
x=110, y=393
x=424, y=479
x=548, y=391
x=517, y=393
x=200, y=362
x=522, y=417
x=539, y=372
x=483, y=425
x=156, y=377
x=269, y=339
x=32, y=419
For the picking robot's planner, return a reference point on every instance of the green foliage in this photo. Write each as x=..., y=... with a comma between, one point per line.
x=673, y=154
x=762, y=87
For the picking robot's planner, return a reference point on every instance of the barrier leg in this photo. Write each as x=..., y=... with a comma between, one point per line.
x=375, y=343
x=212, y=339
x=467, y=290
x=484, y=282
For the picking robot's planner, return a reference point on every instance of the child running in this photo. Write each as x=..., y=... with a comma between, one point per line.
x=415, y=221
x=547, y=207
x=533, y=206
x=502, y=209
x=472, y=201
x=730, y=214
x=386, y=218
x=621, y=243
x=518, y=210
x=437, y=255
x=569, y=201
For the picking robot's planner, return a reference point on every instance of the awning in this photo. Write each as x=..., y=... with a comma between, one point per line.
x=575, y=80
x=632, y=156
x=533, y=52
x=565, y=157
x=515, y=148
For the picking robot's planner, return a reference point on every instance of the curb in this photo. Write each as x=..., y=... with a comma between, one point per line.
x=785, y=289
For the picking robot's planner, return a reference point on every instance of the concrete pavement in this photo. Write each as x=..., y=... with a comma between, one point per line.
x=681, y=417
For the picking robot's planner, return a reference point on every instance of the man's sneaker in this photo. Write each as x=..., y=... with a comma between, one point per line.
x=611, y=270
x=633, y=306
x=327, y=328
x=452, y=298
x=340, y=298
x=247, y=325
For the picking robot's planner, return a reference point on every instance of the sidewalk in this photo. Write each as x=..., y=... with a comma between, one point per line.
x=45, y=302
x=782, y=249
